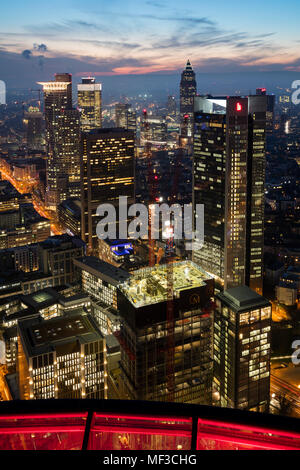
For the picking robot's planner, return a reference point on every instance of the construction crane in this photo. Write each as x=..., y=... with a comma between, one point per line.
x=170, y=315
x=170, y=251
x=152, y=185
x=169, y=254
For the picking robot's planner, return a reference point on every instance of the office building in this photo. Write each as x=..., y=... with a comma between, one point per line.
x=24, y=234
x=34, y=128
x=125, y=117
x=48, y=303
x=242, y=348
x=171, y=106
x=90, y=104
x=116, y=252
x=61, y=358
x=56, y=255
x=100, y=279
x=10, y=199
x=270, y=114
x=107, y=172
x=62, y=138
x=25, y=258
x=69, y=216
x=188, y=90
x=229, y=175
x=145, y=332
x=121, y=114
x=154, y=131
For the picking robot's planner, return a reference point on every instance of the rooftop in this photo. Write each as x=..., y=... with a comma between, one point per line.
x=40, y=299
x=40, y=336
x=59, y=242
x=148, y=286
x=242, y=298
x=35, y=303
x=108, y=130
x=73, y=206
x=101, y=269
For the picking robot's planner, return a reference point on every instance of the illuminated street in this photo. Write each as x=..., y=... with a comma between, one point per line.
x=285, y=381
x=27, y=187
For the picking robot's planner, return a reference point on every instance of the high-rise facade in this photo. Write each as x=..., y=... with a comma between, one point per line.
x=125, y=116
x=62, y=139
x=107, y=172
x=270, y=116
x=33, y=120
x=188, y=90
x=145, y=332
x=56, y=256
x=90, y=104
x=242, y=348
x=64, y=357
x=228, y=178
x=171, y=105
x=154, y=131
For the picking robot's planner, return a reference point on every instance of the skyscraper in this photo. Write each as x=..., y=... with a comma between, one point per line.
x=145, y=329
x=270, y=109
x=242, y=347
x=107, y=172
x=33, y=121
x=90, y=104
x=62, y=138
x=171, y=105
x=229, y=175
x=188, y=90
x=154, y=131
x=125, y=116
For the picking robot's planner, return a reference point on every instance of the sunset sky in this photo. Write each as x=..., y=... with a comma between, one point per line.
x=142, y=36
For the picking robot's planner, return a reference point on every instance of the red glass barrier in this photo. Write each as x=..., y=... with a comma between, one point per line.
x=122, y=432
x=112, y=431
x=214, y=435
x=42, y=431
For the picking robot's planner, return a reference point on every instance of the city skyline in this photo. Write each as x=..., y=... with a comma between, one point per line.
x=149, y=37
x=149, y=225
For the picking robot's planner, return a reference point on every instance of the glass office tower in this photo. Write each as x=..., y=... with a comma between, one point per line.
x=90, y=104
x=62, y=139
x=107, y=172
x=229, y=175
